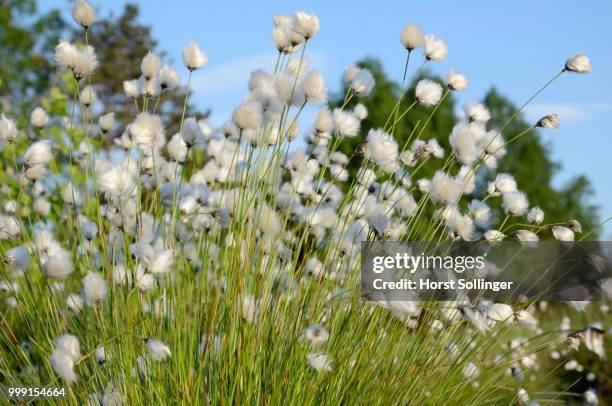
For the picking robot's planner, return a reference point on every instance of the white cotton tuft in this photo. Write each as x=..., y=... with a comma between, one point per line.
x=306, y=24
x=382, y=149
x=476, y=112
x=39, y=153
x=428, y=92
x=117, y=182
x=8, y=129
x=345, y=123
x=83, y=14
x=69, y=345
x=17, y=258
x=494, y=235
x=456, y=81
x=88, y=96
x=194, y=57
x=535, y=216
x=435, y=48
x=95, y=288
x=248, y=115
x=578, y=63
x=169, y=78
x=150, y=65
x=323, y=121
x=147, y=130
x=549, y=121
x=314, y=88
x=316, y=335
x=464, y=143
x=152, y=87
x=106, y=122
x=39, y=117
x=562, y=233
x=131, y=88
x=411, y=37
x=158, y=349
x=515, y=203
x=85, y=62
x=504, y=183
x=362, y=82
x=444, y=188
x=191, y=132
x=360, y=111
x=177, y=149
x=319, y=361
x=268, y=221
x=63, y=365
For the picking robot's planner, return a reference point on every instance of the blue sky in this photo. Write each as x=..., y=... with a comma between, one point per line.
x=516, y=46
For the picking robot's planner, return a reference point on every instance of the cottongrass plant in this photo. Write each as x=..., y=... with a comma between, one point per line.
x=221, y=265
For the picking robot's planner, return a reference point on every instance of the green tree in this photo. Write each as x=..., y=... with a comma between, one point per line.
x=26, y=53
x=121, y=43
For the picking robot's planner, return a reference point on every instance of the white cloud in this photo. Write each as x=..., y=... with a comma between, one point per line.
x=566, y=112
x=569, y=112
x=229, y=76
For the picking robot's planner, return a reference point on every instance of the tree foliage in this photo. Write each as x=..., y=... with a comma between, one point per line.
x=121, y=42
x=26, y=53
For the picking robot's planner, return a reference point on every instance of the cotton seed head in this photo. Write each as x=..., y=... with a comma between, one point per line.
x=515, y=203
x=85, y=62
x=158, y=350
x=69, y=344
x=131, y=88
x=476, y=112
x=345, y=123
x=39, y=153
x=193, y=56
x=150, y=65
x=360, y=111
x=83, y=14
x=362, y=82
x=8, y=129
x=169, y=78
x=95, y=288
x=248, y=115
x=306, y=24
x=428, y=92
x=535, y=216
x=456, y=81
x=17, y=258
x=578, y=63
x=39, y=117
x=574, y=225
x=106, y=122
x=63, y=365
x=314, y=88
x=88, y=96
x=411, y=37
x=444, y=188
x=549, y=121
x=562, y=233
x=191, y=132
x=435, y=48
x=316, y=334
x=323, y=121
x=147, y=130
